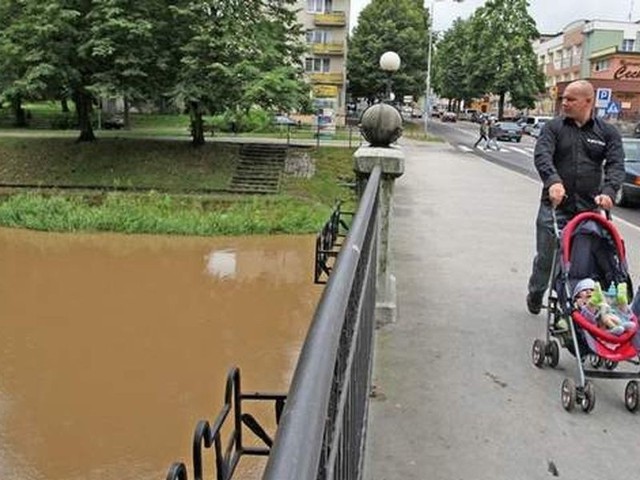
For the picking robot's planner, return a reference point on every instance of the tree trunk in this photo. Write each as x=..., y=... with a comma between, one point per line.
x=197, y=130
x=64, y=105
x=127, y=122
x=83, y=109
x=18, y=112
x=501, y=106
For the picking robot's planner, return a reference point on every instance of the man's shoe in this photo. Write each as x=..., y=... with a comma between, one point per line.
x=534, y=304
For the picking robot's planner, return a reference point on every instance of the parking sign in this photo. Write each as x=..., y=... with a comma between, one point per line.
x=603, y=97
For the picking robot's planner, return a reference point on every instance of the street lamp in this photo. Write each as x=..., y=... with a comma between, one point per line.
x=427, y=96
x=389, y=62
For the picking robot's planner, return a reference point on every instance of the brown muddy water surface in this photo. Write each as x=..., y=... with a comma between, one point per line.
x=112, y=347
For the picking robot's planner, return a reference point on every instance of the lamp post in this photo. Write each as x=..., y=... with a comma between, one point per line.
x=427, y=95
x=389, y=62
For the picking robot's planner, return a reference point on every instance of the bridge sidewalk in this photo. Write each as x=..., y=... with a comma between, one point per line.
x=456, y=396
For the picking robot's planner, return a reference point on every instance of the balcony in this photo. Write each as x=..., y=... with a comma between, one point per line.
x=327, y=78
x=332, y=19
x=327, y=48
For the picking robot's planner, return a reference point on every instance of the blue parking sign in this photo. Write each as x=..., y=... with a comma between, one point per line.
x=603, y=97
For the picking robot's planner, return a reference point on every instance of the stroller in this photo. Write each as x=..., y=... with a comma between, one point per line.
x=588, y=247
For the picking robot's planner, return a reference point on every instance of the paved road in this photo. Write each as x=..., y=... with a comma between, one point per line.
x=515, y=156
x=457, y=395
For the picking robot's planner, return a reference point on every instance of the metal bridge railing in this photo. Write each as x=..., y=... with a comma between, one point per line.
x=321, y=422
x=329, y=242
x=208, y=436
x=321, y=434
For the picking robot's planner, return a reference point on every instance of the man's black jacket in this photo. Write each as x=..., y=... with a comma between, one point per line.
x=578, y=157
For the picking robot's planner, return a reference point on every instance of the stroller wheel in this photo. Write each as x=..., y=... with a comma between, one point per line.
x=588, y=400
x=538, y=352
x=610, y=364
x=553, y=353
x=631, y=396
x=568, y=394
x=595, y=360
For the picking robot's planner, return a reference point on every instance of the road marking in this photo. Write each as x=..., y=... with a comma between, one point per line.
x=516, y=149
x=465, y=149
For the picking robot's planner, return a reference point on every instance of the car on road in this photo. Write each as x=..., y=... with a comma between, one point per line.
x=528, y=123
x=449, y=117
x=629, y=194
x=509, y=131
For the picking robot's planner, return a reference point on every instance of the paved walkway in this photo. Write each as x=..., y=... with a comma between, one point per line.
x=457, y=397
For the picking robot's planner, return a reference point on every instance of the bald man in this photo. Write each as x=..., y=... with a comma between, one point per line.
x=581, y=164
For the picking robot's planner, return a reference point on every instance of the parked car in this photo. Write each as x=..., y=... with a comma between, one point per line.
x=630, y=192
x=448, y=117
x=283, y=120
x=469, y=114
x=535, y=130
x=114, y=122
x=528, y=123
x=509, y=131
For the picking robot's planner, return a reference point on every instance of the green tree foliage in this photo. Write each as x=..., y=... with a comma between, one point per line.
x=454, y=57
x=506, y=63
x=213, y=55
x=490, y=53
x=383, y=25
x=221, y=67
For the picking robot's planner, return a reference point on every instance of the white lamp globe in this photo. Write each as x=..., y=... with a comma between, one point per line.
x=389, y=61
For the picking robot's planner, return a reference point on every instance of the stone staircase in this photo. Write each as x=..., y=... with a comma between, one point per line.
x=259, y=168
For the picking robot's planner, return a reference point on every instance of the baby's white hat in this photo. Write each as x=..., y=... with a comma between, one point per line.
x=583, y=284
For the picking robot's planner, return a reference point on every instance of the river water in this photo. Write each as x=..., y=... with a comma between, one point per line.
x=112, y=347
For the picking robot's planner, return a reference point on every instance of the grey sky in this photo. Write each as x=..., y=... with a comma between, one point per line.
x=550, y=15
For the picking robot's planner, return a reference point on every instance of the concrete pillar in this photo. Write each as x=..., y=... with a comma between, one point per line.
x=391, y=161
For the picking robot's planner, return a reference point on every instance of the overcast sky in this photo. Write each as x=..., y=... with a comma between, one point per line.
x=550, y=15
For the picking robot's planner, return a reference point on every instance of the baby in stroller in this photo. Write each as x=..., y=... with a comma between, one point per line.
x=609, y=310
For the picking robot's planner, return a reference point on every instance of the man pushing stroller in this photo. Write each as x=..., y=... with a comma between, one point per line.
x=569, y=157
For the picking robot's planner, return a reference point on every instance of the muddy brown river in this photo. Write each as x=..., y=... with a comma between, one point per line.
x=112, y=347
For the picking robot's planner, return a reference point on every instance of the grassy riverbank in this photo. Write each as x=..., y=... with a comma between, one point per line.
x=139, y=185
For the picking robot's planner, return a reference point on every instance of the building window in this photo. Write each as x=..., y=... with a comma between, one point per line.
x=317, y=36
x=628, y=44
x=577, y=53
x=316, y=65
x=601, y=65
x=319, y=6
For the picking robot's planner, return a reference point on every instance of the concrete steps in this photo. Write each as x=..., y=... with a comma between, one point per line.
x=259, y=169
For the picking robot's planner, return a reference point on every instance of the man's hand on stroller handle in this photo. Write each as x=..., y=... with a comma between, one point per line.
x=604, y=201
x=557, y=194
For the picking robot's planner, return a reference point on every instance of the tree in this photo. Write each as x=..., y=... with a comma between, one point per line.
x=128, y=41
x=506, y=63
x=81, y=49
x=13, y=40
x=383, y=25
x=221, y=67
x=194, y=51
x=454, y=59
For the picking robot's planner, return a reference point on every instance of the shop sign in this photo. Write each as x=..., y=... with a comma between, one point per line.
x=325, y=91
x=627, y=71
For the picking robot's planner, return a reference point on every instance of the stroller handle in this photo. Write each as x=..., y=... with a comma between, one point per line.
x=556, y=230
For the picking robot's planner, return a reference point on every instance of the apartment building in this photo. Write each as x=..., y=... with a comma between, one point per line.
x=607, y=53
x=327, y=25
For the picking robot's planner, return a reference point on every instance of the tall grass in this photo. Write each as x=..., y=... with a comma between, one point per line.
x=162, y=214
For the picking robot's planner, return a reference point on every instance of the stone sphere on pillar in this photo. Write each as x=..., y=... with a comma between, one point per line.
x=381, y=125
